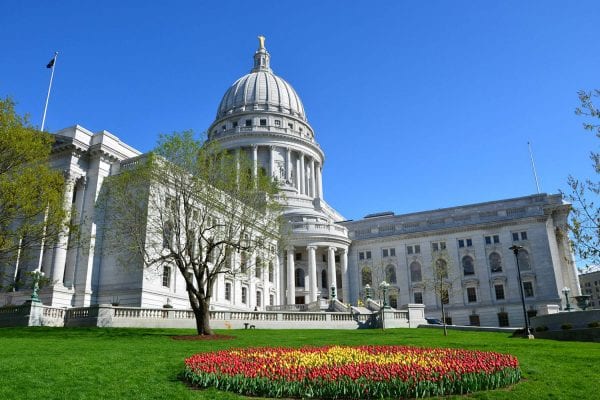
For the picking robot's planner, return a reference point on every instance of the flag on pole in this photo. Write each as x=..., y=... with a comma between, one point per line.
x=51, y=63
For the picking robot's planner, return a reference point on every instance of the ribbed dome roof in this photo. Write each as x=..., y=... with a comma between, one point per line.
x=261, y=90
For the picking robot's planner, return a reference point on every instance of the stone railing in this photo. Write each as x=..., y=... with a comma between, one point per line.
x=105, y=315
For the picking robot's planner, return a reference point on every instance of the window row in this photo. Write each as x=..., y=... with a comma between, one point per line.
x=441, y=245
x=467, y=264
x=244, y=295
x=248, y=122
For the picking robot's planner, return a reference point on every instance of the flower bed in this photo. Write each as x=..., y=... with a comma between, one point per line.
x=335, y=372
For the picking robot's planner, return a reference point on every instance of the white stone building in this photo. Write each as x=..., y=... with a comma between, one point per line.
x=262, y=115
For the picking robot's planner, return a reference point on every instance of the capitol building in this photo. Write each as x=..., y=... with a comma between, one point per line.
x=325, y=255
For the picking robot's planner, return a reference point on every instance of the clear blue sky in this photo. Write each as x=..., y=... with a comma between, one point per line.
x=418, y=105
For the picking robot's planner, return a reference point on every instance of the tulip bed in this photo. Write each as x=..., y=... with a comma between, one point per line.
x=335, y=372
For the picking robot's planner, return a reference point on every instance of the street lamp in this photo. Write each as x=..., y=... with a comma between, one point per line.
x=37, y=277
x=384, y=286
x=566, y=292
x=368, y=291
x=515, y=249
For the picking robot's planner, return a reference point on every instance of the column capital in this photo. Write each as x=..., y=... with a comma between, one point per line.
x=332, y=248
x=312, y=247
x=290, y=248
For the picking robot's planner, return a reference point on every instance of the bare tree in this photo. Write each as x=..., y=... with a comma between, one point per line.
x=191, y=205
x=584, y=222
x=441, y=281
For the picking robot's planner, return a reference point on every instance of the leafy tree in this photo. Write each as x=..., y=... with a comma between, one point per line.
x=584, y=222
x=192, y=206
x=31, y=193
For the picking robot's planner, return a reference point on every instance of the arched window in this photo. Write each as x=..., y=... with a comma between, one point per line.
x=390, y=274
x=299, y=275
x=441, y=269
x=524, y=263
x=495, y=262
x=270, y=271
x=468, y=267
x=415, y=272
x=324, y=279
x=367, y=279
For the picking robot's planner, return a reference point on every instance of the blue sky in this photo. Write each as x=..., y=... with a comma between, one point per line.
x=418, y=105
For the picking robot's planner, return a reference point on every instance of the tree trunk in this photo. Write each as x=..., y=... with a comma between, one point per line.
x=444, y=319
x=201, y=310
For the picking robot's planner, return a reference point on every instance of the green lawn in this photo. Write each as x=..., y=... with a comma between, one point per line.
x=62, y=363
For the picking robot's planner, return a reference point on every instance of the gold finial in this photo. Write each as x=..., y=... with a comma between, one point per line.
x=261, y=42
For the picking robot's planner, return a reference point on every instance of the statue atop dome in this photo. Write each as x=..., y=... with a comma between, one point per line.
x=261, y=42
x=261, y=57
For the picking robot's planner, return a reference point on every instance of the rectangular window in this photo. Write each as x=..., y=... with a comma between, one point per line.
x=503, y=319
x=496, y=239
x=244, y=295
x=361, y=255
x=418, y=297
x=438, y=246
x=271, y=300
x=337, y=258
x=528, y=289
x=471, y=295
x=417, y=249
x=392, y=252
x=499, y=290
x=263, y=122
x=488, y=240
x=298, y=256
x=235, y=124
x=385, y=253
x=228, y=291
x=465, y=243
x=368, y=255
x=523, y=235
x=166, y=278
x=277, y=122
x=474, y=320
x=388, y=252
x=223, y=127
x=409, y=249
x=515, y=236
x=291, y=126
x=258, y=298
x=248, y=122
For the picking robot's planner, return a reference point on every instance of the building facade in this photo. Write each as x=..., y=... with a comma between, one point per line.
x=262, y=116
x=589, y=279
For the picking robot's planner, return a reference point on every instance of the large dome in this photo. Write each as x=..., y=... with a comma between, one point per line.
x=261, y=90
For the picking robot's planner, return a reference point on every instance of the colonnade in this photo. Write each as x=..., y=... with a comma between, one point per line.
x=308, y=179
x=312, y=271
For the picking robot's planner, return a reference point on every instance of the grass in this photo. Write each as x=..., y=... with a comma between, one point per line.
x=95, y=363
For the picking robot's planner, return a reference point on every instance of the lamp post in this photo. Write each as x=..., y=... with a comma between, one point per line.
x=367, y=291
x=566, y=292
x=384, y=286
x=37, y=277
x=515, y=249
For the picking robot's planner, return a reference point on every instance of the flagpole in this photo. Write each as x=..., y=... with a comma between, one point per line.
x=537, y=183
x=49, y=88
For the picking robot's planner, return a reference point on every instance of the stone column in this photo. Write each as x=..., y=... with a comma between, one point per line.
x=276, y=282
x=298, y=175
x=302, y=175
x=344, y=267
x=237, y=166
x=312, y=272
x=60, y=248
x=288, y=165
x=320, y=181
x=72, y=252
x=312, y=177
x=332, y=279
x=255, y=160
x=291, y=284
x=272, y=160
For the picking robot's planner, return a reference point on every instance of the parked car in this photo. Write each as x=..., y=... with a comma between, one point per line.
x=433, y=321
